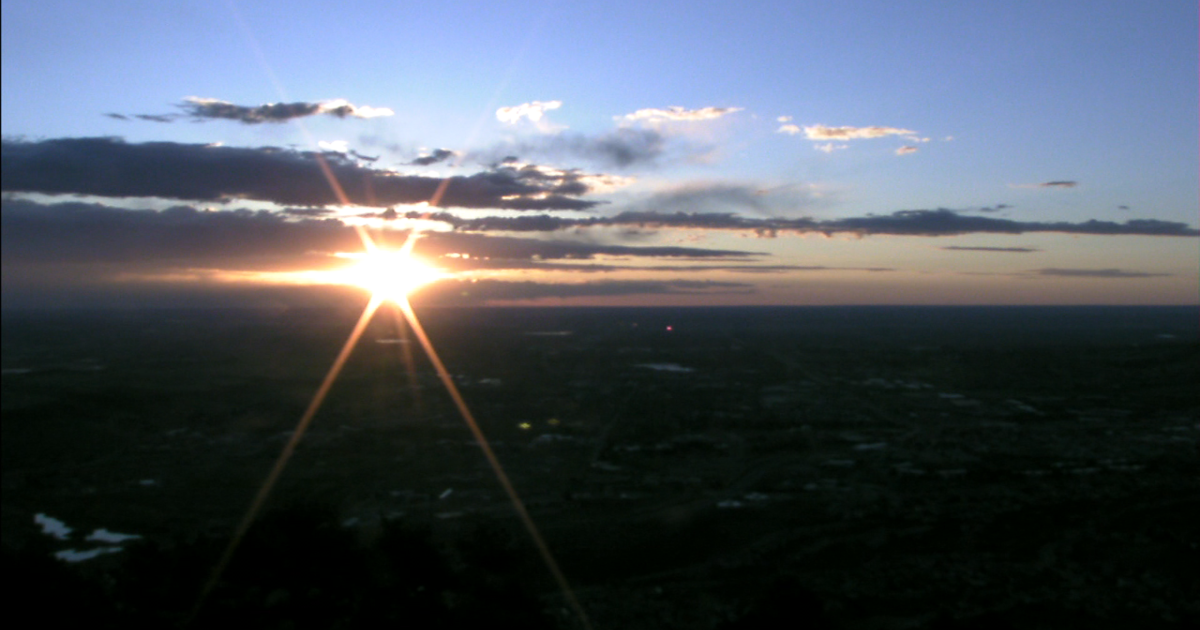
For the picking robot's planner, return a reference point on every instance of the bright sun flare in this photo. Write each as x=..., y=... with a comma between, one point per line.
x=390, y=275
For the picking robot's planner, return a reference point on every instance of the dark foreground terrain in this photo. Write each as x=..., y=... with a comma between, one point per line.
x=702, y=468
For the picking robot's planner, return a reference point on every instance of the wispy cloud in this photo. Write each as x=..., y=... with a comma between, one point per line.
x=710, y=197
x=789, y=129
x=905, y=150
x=622, y=148
x=1053, y=184
x=110, y=167
x=677, y=114
x=821, y=132
x=159, y=118
x=1097, y=273
x=830, y=147
x=1013, y=250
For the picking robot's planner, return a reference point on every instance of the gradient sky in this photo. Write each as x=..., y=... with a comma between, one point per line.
x=608, y=153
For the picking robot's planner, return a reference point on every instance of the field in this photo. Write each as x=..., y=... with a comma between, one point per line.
x=689, y=468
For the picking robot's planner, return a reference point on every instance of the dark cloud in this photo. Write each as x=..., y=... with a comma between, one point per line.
x=438, y=155
x=492, y=290
x=200, y=109
x=939, y=222
x=158, y=118
x=1015, y=250
x=87, y=233
x=454, y=264
x=751, y=268
x=996, y=208
x=1122, y=207
x=1097, y=273
x=307, y=212
x=711, y=221
x=526, y=223
x=943, y=222
x=208, y=108
x=73, y=233
x=110, y=167
x=1058, y=183
x=86, y=254
x=546, y=223
x=621, y=148
x=480, y=246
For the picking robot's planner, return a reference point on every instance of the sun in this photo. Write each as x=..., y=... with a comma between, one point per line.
x=389, y=274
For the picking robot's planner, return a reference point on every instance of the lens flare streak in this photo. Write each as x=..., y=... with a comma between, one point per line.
x=400, y=298
x=269, y=483
x=497, y=468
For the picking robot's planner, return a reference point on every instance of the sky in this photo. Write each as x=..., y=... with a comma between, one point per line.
x=616, y=153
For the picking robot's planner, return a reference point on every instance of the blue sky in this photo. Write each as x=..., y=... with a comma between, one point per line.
x=1001, y=98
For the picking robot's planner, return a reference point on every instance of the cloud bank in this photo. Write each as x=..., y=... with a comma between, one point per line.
x=939, y=222
x=110, y=167
x=75, y=232
x=84, y=232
